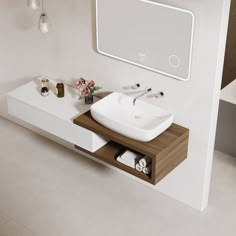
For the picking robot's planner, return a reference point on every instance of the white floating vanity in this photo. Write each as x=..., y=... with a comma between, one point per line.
x=70, y=120
x=52, y=114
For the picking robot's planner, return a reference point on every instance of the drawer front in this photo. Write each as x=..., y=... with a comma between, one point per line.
x=63, y=129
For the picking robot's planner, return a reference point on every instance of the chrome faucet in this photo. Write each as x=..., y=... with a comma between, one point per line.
x=141, y=95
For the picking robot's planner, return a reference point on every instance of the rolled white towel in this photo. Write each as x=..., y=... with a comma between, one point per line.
x=147, y=170
x=145, y=161
x=132, y=165
x=138, y=168
x=131, y=157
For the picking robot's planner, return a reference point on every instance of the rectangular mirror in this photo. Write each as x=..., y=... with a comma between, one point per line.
x=147, y=34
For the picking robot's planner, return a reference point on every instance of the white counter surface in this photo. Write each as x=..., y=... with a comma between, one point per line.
x=66, y=108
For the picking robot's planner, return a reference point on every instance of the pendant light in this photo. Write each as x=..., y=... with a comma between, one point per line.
x=33, y=4
x=44, y=24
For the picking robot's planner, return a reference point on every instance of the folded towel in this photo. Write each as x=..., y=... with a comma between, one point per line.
x=145, y=161
x=138, y=168
x=147, y=169
x=126, y=163
x=131, y=157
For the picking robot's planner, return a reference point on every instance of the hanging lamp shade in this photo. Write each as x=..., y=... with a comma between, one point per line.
x=33, y=4
x=44, y=24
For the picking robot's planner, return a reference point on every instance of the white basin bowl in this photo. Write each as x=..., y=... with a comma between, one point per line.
x=141, y=121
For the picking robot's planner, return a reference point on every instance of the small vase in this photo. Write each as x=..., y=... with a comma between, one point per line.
x=89, y=99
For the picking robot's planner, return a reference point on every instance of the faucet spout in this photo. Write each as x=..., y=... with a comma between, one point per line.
x=141, y=95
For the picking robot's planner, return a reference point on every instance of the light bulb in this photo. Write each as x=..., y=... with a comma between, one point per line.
x=44, y=25
x=33, y=4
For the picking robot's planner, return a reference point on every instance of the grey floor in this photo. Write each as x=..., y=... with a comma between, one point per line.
x=47, y=190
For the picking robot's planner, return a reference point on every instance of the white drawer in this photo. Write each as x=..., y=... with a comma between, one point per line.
x=47, y=120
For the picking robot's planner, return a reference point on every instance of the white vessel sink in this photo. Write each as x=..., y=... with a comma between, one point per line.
x=141, y=121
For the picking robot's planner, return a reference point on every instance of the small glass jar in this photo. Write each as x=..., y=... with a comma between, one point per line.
x=45, y=83
x=44, y=91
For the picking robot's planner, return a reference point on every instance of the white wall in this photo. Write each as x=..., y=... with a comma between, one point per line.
x=68, y=51
x=226, y=129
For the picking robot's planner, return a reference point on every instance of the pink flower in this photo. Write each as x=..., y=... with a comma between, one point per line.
x=79, y=83
x=84, y=91
x=90, y=83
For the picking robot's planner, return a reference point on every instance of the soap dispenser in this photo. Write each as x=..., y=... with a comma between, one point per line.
x=60, y=90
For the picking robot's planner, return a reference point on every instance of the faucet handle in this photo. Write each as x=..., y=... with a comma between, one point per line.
x=159, y=95
x=134, y=86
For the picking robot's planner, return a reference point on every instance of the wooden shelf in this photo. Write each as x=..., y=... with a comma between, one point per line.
x=109, y=153
x=167, y=150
